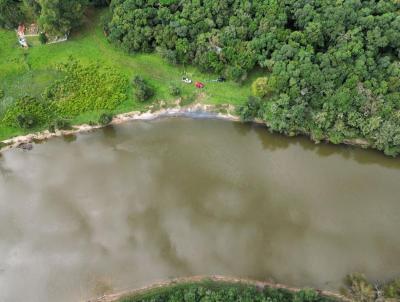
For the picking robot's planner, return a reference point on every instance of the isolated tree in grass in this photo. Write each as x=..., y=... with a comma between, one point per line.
x=142, y=90
x=10, y=13
x=58, y=17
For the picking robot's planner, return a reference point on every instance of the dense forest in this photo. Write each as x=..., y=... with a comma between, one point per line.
x=331, y=68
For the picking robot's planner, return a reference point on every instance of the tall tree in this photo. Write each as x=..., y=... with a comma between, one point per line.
x=10, y=13
x=58, y=17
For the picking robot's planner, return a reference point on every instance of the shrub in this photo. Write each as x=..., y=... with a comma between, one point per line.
x=26, y=121
x=392, y=289
x=52, y=128
x=1, y=93
x=306, y=295
x=43, y=38
x=359, y=289
x=105, y=119
x=250, y=110
x=27, y=113
x=142, y=90
x=62, y=124
x=174, y=90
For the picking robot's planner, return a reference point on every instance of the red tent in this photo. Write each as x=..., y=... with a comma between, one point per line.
x=199, y=85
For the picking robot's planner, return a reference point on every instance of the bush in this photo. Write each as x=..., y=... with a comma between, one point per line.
x=51, y=128
x=63, y=124
x=43, y=38
x=174, y=90
x=105, y=119
x=359, y=289
x=1, y=93
x=60, y=124
x=250, y=110
x=142, y=90
x=392, y=289
x=26, y=121
x=27, y=113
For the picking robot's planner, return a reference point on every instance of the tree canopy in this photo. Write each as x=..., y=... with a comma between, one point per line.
x=332, y=67
x=58, y=17
x=10, y=13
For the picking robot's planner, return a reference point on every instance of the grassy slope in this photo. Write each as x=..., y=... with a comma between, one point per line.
x=30, y=71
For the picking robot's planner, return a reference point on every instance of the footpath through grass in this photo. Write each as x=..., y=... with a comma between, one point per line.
x=29, y=72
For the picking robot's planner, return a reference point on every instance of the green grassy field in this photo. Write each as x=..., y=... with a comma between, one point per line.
x=31, y=71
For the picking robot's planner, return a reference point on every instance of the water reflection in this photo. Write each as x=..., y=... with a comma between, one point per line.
x=243, y=128
x=136, y=203
x=109, y=131
x=69, y=138
x=273, y=142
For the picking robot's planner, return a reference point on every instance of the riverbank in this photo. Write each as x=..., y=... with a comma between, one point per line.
x=200, y=280
x=196, y=110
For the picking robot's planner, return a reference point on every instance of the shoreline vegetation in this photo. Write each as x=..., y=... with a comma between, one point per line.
x=148, y=292
x=220, y=288
x=196, y=110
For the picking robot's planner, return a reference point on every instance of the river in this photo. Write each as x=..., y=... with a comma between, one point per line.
x=145, y=201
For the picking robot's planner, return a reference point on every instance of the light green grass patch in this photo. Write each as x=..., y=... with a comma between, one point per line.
x=31, y=71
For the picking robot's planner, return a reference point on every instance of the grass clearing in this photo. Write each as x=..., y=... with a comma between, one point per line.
x=29, y=72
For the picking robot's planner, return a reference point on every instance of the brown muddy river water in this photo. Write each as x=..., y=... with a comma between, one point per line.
x=126, y=206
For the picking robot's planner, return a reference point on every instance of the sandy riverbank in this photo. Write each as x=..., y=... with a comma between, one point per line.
x=196, y=110
x=215, y=278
